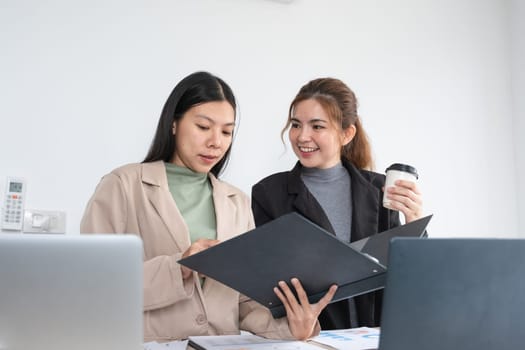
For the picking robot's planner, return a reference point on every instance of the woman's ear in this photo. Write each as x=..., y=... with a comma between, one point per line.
x=348, y=134
x=174, y=127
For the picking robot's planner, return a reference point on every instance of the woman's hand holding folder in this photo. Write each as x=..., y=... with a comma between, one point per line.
x=302, y=316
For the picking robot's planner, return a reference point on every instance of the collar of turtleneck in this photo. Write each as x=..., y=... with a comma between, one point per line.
x=185, y=176
x=324, y=175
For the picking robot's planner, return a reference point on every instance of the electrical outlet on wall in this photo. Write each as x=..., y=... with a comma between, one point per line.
x=44, y=221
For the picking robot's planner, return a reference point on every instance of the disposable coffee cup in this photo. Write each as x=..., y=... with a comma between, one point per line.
x=394, y=172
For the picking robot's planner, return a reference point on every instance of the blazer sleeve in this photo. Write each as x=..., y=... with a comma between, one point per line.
x=260, y=205
x=163, y=282
x=107, y=212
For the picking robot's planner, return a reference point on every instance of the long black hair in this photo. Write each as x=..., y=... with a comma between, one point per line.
x=195, y=89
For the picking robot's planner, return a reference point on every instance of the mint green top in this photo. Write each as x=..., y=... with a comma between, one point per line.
x=193, y=194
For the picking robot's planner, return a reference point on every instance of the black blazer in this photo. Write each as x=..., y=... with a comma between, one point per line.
x=285, y=192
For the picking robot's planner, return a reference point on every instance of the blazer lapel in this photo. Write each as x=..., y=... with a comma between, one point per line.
x=225, y=210
x=304, y=202
x=155, y=183
x=365, y=204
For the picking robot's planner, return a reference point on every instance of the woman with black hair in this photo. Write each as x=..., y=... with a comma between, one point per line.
x=175, y=202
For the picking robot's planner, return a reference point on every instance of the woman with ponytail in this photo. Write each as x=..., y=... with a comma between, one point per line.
x=334, y=186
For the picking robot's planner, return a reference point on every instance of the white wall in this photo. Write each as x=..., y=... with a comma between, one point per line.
x=83, y=83
x=517, y=23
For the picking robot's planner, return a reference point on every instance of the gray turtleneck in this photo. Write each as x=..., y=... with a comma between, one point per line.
x=331, y=187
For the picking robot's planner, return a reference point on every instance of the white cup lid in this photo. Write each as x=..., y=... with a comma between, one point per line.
x=403, y=167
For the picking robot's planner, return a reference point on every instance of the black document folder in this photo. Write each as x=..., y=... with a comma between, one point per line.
x=292, y=246
x=377, y=245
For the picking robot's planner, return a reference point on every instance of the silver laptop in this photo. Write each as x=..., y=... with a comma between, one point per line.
x=454, y=294
x=70, y=292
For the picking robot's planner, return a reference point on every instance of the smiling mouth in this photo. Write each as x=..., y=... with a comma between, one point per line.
x=308, y=149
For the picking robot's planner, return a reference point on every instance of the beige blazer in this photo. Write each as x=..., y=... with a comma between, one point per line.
x=135, y=199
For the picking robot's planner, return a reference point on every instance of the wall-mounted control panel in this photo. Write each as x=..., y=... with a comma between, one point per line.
x=44, y=221
x=14, y=199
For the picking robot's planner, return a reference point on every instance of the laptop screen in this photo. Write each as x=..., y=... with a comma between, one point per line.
x=70, y=292
x=454, y=293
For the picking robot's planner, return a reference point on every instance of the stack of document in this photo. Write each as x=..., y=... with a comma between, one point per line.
x=246, y=342
x=174, y=345
x=349, y=339
x=346, y=339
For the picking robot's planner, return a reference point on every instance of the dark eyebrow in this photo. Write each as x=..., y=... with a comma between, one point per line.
x=311, y=121
x=213, y=121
